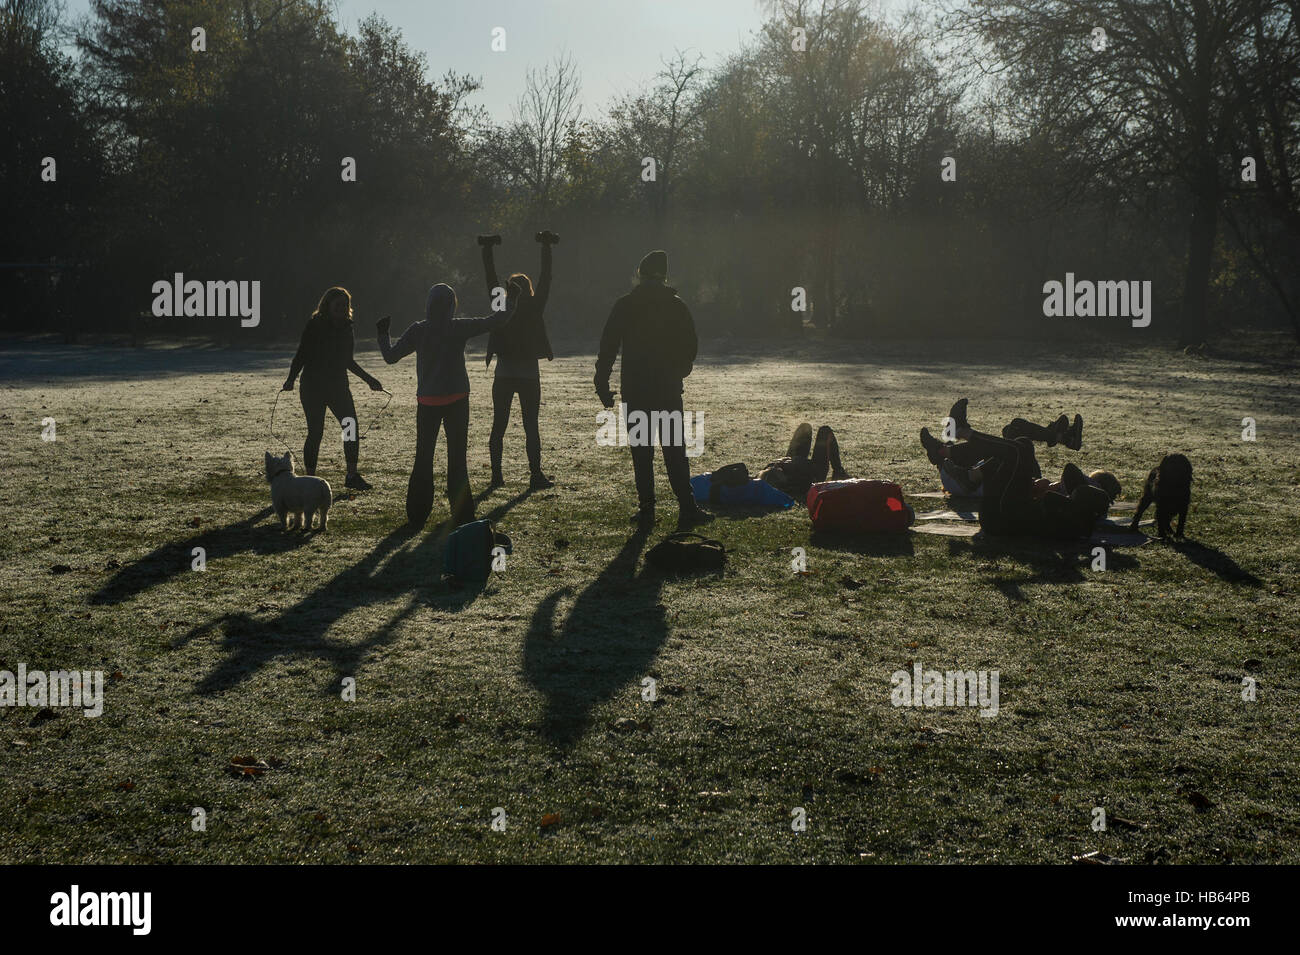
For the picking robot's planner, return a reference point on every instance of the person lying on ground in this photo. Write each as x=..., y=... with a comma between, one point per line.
x=966, y=481
x=1009, y=506
x=806, y=462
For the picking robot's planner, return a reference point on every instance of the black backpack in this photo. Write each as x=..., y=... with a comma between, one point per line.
x=467, y=554
x=732, y=475
x=686, y=553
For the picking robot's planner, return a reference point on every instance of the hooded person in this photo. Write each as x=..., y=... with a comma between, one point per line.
x=442, y=396
x=518, y=347
x=653, y=329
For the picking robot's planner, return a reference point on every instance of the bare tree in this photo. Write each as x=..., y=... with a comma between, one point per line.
x=662, y=122
x=531, y=149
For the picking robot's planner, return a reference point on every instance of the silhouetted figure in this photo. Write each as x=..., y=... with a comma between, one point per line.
x=655, y=331
x=1009, y=505
x=968, y=481
x=324, y=358
x=806, y=463
x=517, y=348
x=442, y=392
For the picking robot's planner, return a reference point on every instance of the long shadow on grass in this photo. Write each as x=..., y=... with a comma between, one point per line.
x=609, y=638
x=302, y=631
x=173, y=559
x=1046, y=562
x=1217, y=562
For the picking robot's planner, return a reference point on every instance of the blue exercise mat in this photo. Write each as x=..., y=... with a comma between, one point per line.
x=755, y=493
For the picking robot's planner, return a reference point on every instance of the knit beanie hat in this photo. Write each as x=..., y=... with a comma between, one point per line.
x=654, y=265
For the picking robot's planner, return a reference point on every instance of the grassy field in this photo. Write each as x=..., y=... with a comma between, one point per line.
x=1119, y=689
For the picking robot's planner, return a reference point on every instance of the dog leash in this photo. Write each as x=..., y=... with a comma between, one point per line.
x=276, y=403
x=381, y=411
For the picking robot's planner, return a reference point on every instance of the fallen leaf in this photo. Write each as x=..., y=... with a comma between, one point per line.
x=247, y=766
x=1127, y=823
x=1097, y=858
x=550, y=819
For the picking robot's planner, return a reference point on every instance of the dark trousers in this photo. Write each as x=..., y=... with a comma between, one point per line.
x=315, y=398
x=1020, y=428
x=674, y=451
x=454, y=420
x=1008, y=505
x=529, y=391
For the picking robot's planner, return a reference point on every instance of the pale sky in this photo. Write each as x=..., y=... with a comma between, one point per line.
x=617, y=44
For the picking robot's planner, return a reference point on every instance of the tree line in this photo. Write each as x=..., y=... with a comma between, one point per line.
x=916, y=175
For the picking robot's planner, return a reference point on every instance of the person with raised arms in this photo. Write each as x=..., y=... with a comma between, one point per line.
x=442, y=396
x=518, y=347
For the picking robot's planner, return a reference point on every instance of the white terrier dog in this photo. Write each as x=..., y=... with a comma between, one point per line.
x=300, y=497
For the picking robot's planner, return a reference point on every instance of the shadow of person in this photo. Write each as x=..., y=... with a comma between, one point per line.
x=609, y=638
x=171, y=560
x=301, y=631
x=1045, y=561
x=395, y=566
x=1217, y=562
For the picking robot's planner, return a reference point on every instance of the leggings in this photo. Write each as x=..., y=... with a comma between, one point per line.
x=315, y=398
x=454, y=419
x=825, y=452
x=1008, y=505
x=797, y=471
x=504, y=389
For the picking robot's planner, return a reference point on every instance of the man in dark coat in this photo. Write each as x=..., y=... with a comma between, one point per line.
x=656, y=333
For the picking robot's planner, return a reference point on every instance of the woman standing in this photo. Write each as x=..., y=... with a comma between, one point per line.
x=442, y=393
x=324, y=358
x=518, y=347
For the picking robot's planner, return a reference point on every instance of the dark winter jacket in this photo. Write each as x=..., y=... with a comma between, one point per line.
x=519, y=344
x=324, y=355
x=439, y=344
x=656, y=333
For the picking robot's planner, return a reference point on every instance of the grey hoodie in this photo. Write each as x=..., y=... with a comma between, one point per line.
x=439, y=344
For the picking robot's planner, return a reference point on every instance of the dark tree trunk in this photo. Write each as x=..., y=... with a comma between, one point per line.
x=1200, y=255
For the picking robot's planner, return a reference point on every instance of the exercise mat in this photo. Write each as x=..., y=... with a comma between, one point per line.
x=947, y=530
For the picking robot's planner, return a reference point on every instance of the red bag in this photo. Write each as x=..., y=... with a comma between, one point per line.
x=859, y=506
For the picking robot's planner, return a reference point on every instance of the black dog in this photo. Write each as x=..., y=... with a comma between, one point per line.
x=1170, y=486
